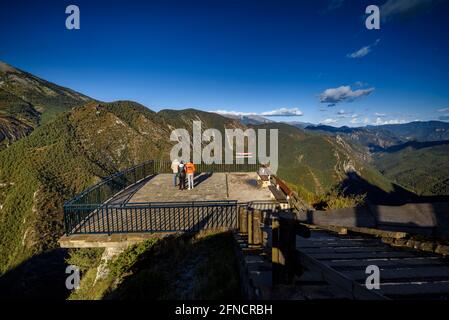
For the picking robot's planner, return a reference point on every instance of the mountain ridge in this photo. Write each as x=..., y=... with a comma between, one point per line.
x=27, y=101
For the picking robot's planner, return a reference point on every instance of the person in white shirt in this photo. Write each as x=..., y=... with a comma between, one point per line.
x=174, y=167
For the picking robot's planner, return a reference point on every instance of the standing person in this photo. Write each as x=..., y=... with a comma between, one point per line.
x=182, y=175
x=174, y=167
x=190, y=170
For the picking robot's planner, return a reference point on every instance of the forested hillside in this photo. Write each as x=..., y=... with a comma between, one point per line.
x=60, y=159
x=422, y=167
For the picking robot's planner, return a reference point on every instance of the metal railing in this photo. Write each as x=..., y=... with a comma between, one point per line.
x=104, y=190
x=165, y=167
x=90, y=212
x=152, y=217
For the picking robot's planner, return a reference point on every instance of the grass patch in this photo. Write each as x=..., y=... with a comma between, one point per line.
x=331, y=200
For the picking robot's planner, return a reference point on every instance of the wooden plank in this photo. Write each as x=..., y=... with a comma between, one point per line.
x=415, y=261
x=364, y=255
x=310, y=245
x=414, y=273
x=278, y=195
x=354, y=289
x=415, y=289
x=345, y=249
x=318, y=239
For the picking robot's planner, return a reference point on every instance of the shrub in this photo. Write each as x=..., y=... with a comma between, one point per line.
x=85, y=258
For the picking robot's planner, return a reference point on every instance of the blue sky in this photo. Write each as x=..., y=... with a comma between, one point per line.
x=311, y=60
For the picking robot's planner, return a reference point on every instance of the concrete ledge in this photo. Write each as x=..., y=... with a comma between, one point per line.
x=367, y=231
x=339, y=230
x=379, y=233
x=106, y=241
x=426, y=246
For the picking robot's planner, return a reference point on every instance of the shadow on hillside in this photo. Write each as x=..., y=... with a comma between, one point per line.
x=354, y=184
x=415, y=145
x=42, y=277
x=189, y=266
x=126, y=195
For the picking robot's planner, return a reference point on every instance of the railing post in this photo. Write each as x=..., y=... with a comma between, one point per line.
x=283, y=249
x=277, y=258
x=250, y=227
x=243, y=220
x=107, y=219
x=257, y=231
x=66, y=221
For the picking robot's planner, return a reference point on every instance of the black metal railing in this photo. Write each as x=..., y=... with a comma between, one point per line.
x=108, y=187
x=165, y=167
x=90, y=212
x=151, y=217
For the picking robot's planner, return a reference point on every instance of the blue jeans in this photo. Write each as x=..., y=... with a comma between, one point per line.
x=175, y=179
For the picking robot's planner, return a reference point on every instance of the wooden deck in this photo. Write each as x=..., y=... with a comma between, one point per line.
x=404, y=273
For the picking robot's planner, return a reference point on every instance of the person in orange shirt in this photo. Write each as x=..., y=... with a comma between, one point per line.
x=190, y=171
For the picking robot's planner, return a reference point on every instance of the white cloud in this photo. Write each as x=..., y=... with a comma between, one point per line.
x=234, y=113
x=343, y=94
x=355, y=120
x=281, y=112
x=443, y=110
x=363, y=51
x=380, y=121
x=284, y=112
x=329, y=121
x=380, y=115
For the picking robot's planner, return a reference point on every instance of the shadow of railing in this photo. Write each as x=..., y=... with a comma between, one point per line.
x=200, y=178
x=126, y=195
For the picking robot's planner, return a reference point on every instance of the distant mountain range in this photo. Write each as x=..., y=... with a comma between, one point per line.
x=415, y=155
x=247, y=119
x=378, y=138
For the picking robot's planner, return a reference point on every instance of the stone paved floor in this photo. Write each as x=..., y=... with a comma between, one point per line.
x=236, y=186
